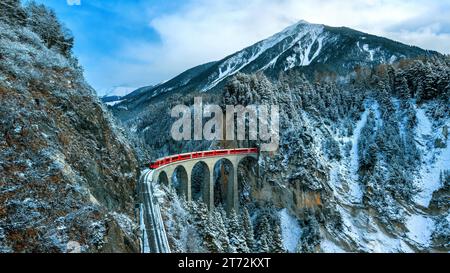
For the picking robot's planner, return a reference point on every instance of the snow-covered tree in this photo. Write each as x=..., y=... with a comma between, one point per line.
x=12, y=12
x=310, y=239
x=43, y=21
x=247, y=227
x=263, y=239
x=236, y=234
x=401, y=87
x=277, y=240
x=216, y=233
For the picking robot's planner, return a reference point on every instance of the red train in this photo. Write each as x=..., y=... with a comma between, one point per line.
x=182, y=157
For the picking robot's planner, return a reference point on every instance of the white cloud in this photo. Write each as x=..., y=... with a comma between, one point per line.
x=73, y=2
x=204, y=30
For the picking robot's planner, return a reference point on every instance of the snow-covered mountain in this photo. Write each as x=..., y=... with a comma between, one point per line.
x=363, y=163
x=115, y=95
x=362, y=167
x=316, y=50
x=364, y=145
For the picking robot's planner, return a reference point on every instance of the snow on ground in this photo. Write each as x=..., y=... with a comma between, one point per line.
x=378, y=117
x=306, y=60
x=357, y=134
x=319, y=49
x=420, y=229
x=355, y=188
x=424, y=126
x=430, y=181
x=370, y=51
x=402, y=119
x=368, y=236
x=344, y=178
x=112, y=103
x=335, y=181
x=434, y=160
x=379, y=241
x=330, y=247
x=290, y=230
x=393, y=59
x=343, y=188
x=349, y=228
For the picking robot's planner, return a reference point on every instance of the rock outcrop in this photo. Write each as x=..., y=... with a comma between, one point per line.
x=68, y=177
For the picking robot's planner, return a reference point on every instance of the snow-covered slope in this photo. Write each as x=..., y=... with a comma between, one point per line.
x=67, y=173
x=363, y=228
x=300, y=38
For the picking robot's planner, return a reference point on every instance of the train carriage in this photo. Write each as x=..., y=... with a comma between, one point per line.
x=182, y=157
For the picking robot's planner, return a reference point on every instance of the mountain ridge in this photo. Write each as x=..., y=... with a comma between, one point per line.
x=312, y=48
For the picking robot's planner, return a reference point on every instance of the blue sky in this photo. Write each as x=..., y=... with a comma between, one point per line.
x=133, y=43
x=102, y=27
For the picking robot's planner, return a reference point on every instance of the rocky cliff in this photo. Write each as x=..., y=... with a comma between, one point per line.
x=68, y=177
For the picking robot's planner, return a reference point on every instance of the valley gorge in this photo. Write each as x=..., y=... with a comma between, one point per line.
x=363, y=163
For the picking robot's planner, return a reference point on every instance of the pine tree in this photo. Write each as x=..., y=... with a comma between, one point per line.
x=401, y=87
x=199, y=214
x=216, y=234
x=12, y=12
x=263, y=241
x=248, y=229
x=277, y=246
x=446, y=92
x=310, y=239
x=43, y=21
x=236, y=234
x=429, y=85
x=420, y=92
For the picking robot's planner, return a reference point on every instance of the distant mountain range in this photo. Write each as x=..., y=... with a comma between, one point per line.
x=115, y=95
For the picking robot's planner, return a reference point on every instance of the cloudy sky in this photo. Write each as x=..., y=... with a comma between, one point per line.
x=133, y=43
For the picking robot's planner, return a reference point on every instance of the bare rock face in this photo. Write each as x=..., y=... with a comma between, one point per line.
x=67, y=175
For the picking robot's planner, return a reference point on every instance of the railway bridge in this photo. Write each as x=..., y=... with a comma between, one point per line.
x=178, y=171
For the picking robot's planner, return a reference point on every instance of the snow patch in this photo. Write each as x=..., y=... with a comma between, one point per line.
x=330, y=247
x=393, y=59
x=420, y=229
x=372, y=238
x=290, y=231
x=424, y=125
x=355, y=188
x=370, y=51
x=113, y=103
x=434, y=160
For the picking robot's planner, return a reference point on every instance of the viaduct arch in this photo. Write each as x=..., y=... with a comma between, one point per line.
x=178, y=171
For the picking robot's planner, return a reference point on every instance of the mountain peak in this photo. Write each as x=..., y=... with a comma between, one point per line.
x=312, y=48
